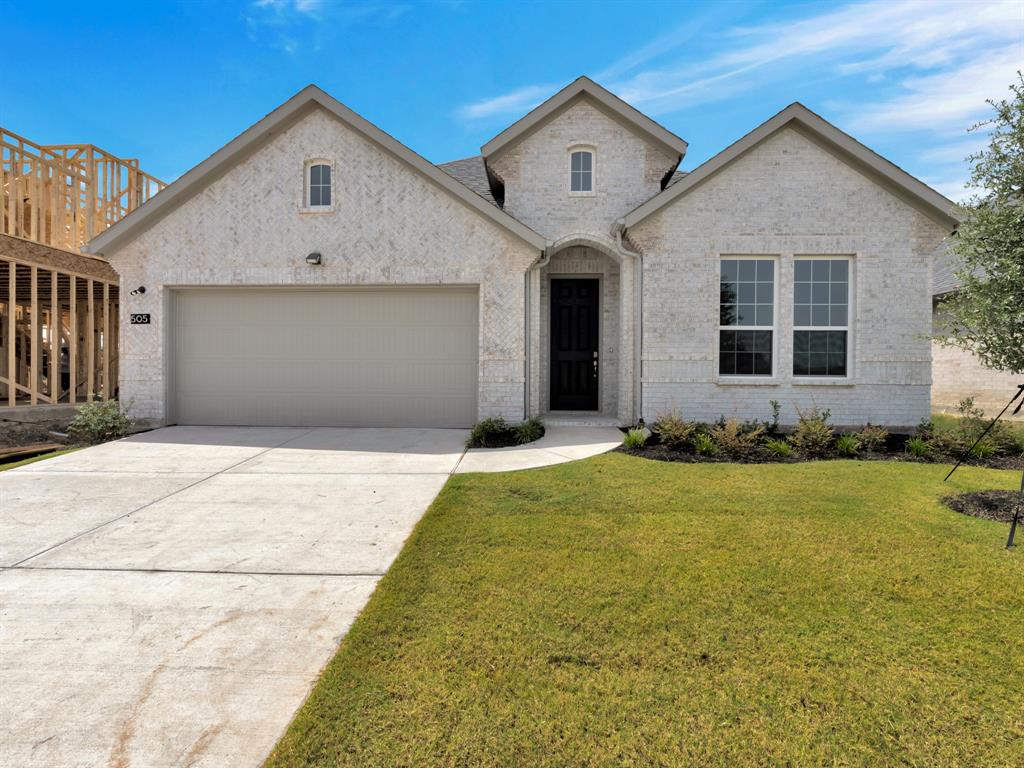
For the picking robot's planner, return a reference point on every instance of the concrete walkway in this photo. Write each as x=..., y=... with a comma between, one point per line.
x=559, y=445
x=169, y=599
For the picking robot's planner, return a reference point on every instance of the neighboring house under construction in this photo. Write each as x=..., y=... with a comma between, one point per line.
x=59, y=308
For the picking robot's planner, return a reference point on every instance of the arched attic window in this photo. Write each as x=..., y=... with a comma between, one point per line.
x=319, y=188
x=581, y=171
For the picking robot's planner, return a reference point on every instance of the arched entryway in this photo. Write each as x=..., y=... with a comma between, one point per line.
x=583, y=334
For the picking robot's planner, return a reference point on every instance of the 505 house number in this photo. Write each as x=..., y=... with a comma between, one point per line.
x=139, y=318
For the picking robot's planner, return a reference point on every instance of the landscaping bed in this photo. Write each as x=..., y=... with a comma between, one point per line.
x=988, y=505
x=946, y=441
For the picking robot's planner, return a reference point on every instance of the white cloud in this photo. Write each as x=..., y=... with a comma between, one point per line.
x=293, y=24
x=948, y=100
x=519, y=101
x=874, y=39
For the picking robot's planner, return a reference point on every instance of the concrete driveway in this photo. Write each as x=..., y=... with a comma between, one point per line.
x=169, y=599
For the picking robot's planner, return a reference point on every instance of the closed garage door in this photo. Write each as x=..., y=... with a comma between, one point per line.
x=324, y=357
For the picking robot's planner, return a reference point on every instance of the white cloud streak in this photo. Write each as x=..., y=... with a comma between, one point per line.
x=870, y=39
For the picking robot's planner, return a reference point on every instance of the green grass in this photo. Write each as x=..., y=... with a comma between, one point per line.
x=33, y=459
x=625, y=612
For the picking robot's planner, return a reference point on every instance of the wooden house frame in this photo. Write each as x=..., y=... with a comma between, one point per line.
x=59, y=308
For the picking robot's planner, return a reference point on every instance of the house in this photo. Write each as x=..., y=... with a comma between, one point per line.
x=957, y=373
x=317, y=271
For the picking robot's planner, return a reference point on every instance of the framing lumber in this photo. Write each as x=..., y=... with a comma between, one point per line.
x=53, y=199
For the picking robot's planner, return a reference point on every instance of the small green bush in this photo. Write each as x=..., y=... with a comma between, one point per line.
x=498, y=433
x=736, y=440
x=778, y=447
x=983, y=450
x=96, y=423
x=530, y=430
x=970, y=425
x=635, y=438
x=674, y=432
x=918, y=447
x=813, y=434
x=925, y=429
x=704, y=444
x=847, y=445
x=873, y=438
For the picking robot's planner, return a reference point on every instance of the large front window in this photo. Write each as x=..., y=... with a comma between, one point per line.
x=746, y=334
x=821, y=316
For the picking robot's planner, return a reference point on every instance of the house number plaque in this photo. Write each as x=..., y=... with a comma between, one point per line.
x=140, y=318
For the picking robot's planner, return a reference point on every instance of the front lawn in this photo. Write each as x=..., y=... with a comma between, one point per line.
x=617, y=611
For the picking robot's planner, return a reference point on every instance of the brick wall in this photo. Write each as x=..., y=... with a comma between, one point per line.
x=627, y=171
x=957, y=374
x=789, y=196
x=389, y=226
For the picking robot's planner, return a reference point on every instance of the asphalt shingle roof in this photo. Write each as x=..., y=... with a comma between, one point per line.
x=471, y=173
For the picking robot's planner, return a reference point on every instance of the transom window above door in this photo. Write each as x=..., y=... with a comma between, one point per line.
x=581, y=171
x=318, y=185
x=746, y=317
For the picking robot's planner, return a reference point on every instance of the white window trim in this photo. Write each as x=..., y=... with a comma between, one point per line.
x=807, y=379
x=593, y=169
x=728, y=379
x=306, y=172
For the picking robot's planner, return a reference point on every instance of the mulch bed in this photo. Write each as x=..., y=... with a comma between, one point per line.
x=988, y=505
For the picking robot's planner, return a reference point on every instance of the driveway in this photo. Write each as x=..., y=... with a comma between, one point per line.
x=169, y=599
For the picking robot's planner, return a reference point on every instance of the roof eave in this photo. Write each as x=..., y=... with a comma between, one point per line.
x=584, y=86
x=821, y=131
x=256, y=136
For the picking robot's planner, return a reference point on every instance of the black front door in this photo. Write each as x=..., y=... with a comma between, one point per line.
x=574, y=344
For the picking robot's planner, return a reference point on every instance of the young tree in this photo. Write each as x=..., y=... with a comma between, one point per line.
x=986, y=314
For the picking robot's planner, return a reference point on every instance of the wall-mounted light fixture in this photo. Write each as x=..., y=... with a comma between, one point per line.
x=139, y=291
x=314, y=259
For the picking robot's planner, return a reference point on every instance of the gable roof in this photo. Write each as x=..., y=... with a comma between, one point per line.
x=577, y=89
x=220, y=162
x=825, y=134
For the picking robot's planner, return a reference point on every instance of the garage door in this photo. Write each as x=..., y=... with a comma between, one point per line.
x=311, y=357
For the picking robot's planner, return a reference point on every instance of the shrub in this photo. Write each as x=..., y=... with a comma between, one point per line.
x=635, y=438
x=847, y=445
x=673, y=432
x=738, y=441
x=773, y=425
x=918, y=447
x=969, y=426
x=872, y=438
x=777, y=447
x=983, y=450
x=491, y=433
x=704, y=444
x=498, y=433
x=813, y=434
x=530, y=430
x=96, y=423
x=925, y=429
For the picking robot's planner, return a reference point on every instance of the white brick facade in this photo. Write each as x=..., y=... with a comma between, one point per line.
x=535, y=170
x=787, y=197
x=389, y=226
x=957, y=374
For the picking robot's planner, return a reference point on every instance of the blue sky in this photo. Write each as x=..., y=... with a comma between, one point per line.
x=172, y=82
